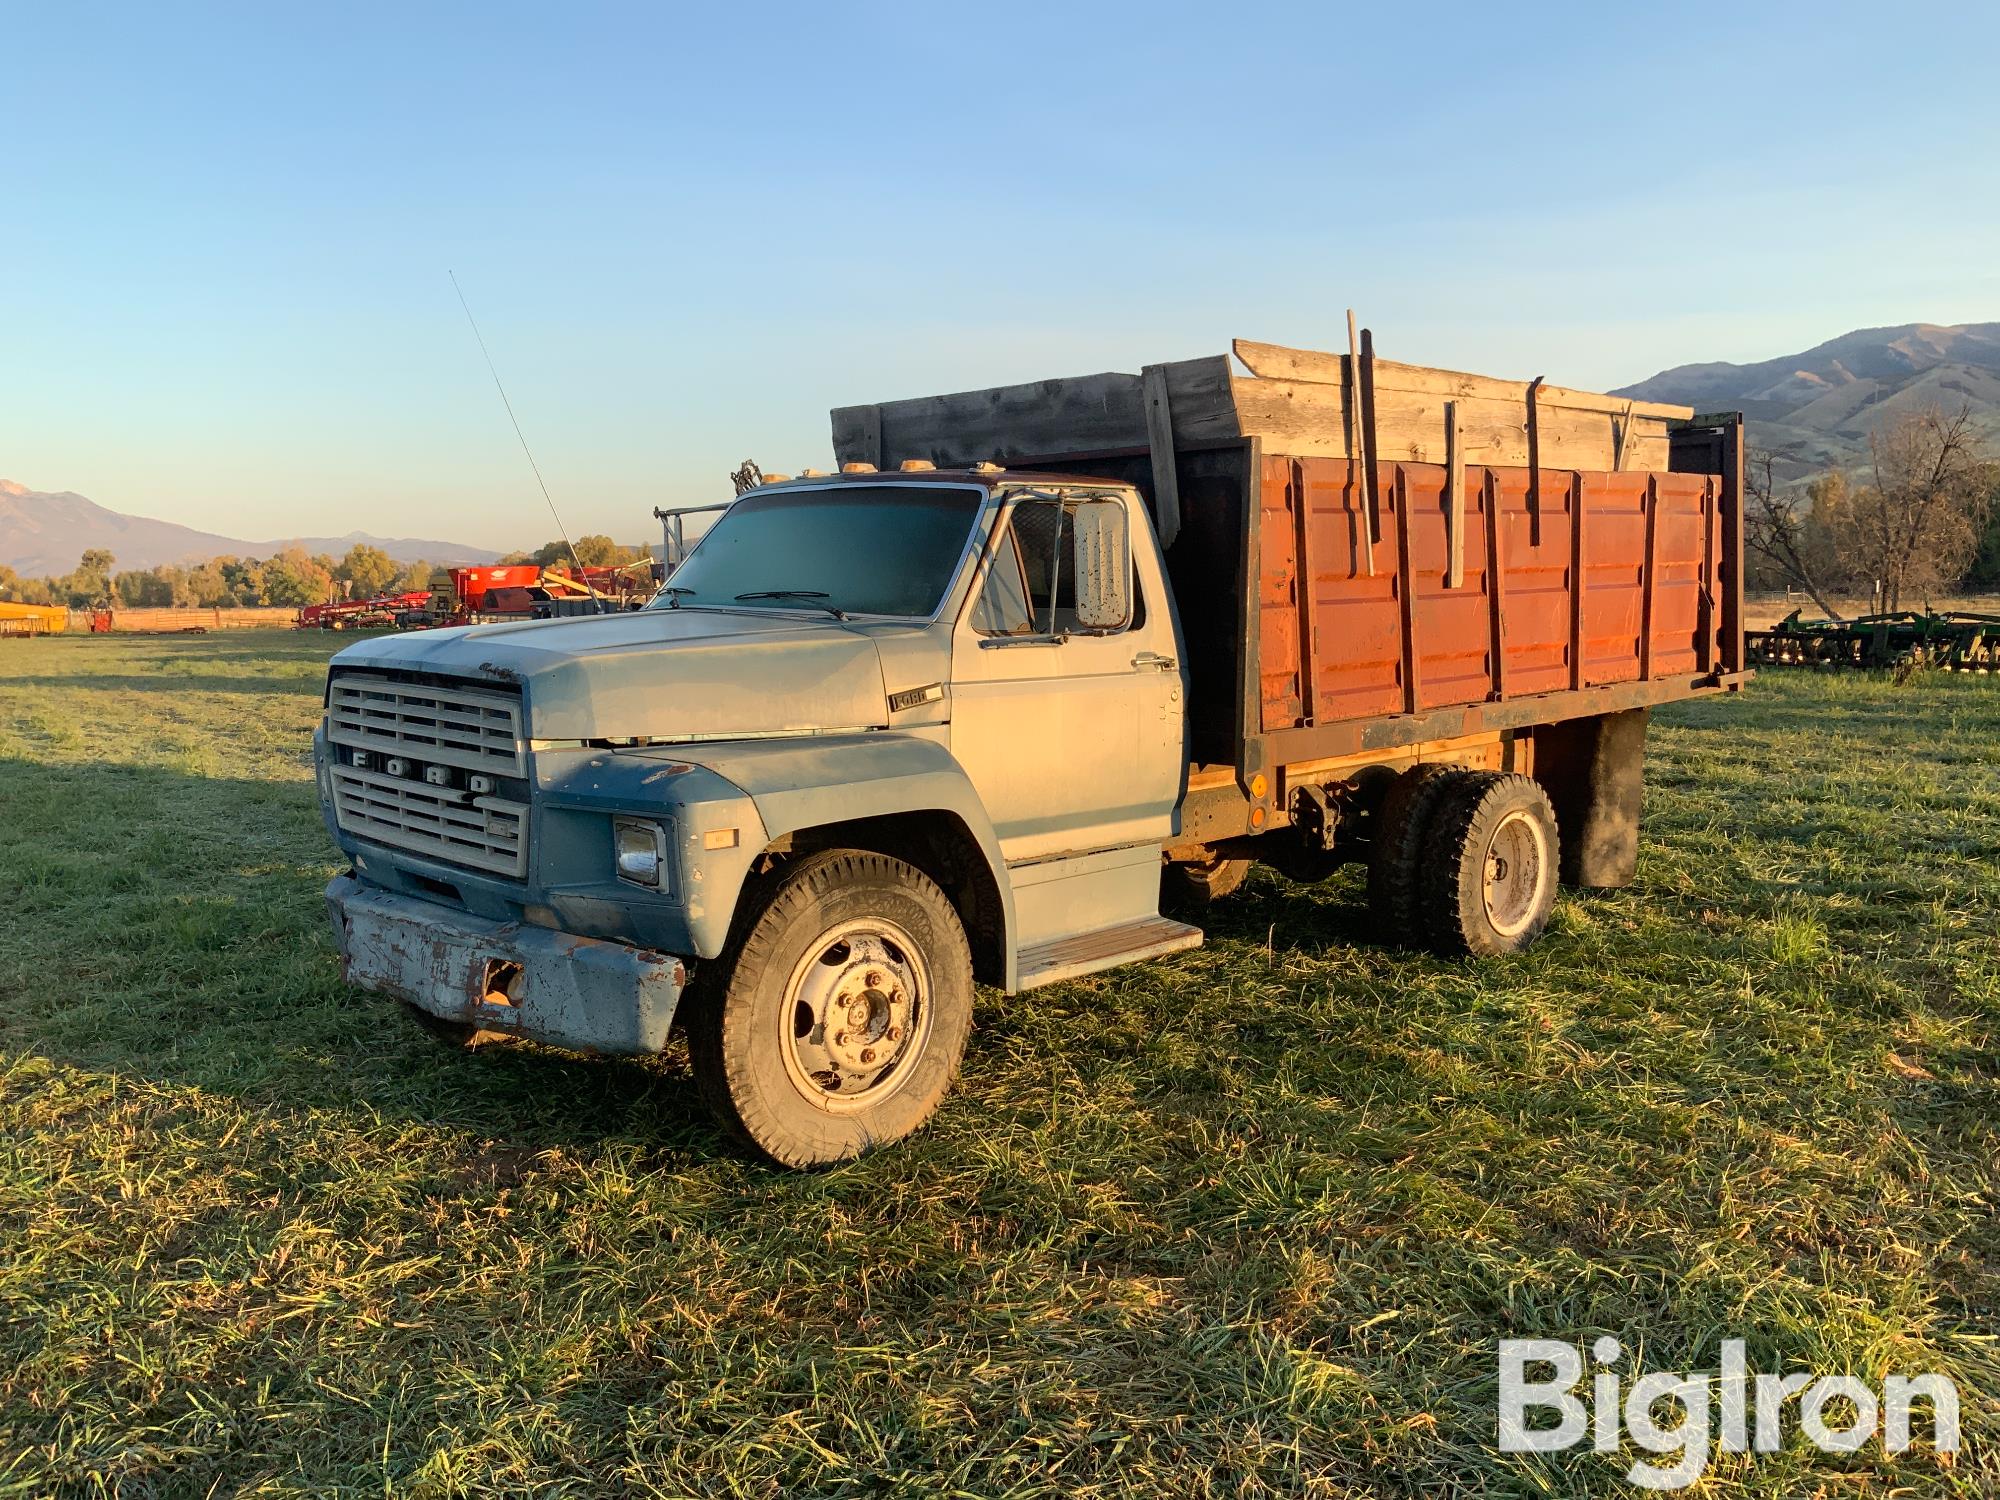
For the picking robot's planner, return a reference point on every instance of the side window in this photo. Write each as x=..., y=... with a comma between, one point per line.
x=1003, y=602
x=1064, y=568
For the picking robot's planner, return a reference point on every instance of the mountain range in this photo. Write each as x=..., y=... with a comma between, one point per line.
x=43, y=532
x=1813, y=411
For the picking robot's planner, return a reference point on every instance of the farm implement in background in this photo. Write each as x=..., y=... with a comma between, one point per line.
x=469, y=596
x=1951, y=640
x=32, y=619
x=380, y=613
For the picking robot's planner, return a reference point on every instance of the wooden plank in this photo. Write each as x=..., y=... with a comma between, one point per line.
x=1106, y=413
x=1160, y=439
x=1387, y=733
x=1279, y=362
x=1577, y=491
x=1454, y=500
x=1305, y=582
x=1486, y=751
x=1371, y=451
x=1406, y=597
x=1646, y=577
x=1313, y=421
x=1357, y=449
x=1250, y=636
x=1042, y=419
x=1496, y=583
x=1534, y=468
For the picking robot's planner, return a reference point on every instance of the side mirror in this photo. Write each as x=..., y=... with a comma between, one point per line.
x=1103, y=565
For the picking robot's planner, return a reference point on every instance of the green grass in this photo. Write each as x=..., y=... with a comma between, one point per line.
x=1248, y=1222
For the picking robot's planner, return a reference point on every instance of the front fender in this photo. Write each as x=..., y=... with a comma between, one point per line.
x=808, y=782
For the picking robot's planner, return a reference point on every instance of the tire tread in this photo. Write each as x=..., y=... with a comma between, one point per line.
x=1395, y=863
x=1451, y=868
x=724, y=993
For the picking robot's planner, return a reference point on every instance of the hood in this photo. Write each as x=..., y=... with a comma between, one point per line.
x=657, y=673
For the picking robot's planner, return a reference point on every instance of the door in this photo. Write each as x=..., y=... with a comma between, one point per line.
x=1066, y=688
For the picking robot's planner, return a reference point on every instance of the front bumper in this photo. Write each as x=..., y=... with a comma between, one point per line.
x=500, y=976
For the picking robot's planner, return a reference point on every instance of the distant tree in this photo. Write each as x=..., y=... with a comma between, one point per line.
x=516, y=559
x=243, y=577
x=594, y=551
x=147, y=590
x=602, y=552
x=1984, y=574
x=10, y=584
x=204, y=585
x=1916, y=529
x=176, y=583
x=90, y=584
x=416, y=576
x=1785, y=536
x=367, y=571
x=294, y=577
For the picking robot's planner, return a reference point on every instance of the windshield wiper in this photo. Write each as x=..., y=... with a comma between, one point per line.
x=806, y=594
x=673, y=594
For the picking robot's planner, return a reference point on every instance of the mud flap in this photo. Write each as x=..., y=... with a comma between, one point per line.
x=1594, y=771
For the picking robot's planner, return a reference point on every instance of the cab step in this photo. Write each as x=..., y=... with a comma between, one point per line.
x=1087, y=952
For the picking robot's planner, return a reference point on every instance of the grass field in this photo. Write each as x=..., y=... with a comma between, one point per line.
x=1247, y=1222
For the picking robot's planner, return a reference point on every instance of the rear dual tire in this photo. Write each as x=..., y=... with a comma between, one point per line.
x=1464, y=862
x=1488, y=881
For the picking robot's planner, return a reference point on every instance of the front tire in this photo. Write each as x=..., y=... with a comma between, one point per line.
x=837, y=1022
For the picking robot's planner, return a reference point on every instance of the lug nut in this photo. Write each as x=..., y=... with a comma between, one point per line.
x=895, y=1033
x=874, y=979
x=868, y=1054
x=840, y=1039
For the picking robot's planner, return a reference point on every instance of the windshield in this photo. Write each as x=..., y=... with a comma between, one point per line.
x=850, y=549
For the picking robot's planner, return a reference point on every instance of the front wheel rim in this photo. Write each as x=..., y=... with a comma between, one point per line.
x=1517, y=871
x=856, y=1015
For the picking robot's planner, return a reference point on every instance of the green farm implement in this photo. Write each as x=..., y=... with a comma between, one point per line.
x=1953, y=641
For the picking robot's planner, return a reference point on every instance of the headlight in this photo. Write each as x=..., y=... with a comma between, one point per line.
x=639, y=852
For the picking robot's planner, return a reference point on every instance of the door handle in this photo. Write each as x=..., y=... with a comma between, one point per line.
x=1154, y=660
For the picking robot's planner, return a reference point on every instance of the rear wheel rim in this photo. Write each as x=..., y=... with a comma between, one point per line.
x=856, y=1016
x=1517, y=870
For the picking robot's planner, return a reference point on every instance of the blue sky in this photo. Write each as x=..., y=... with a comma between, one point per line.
x=688, y=232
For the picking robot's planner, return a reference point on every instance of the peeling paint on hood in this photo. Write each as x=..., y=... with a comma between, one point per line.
x=657, y=673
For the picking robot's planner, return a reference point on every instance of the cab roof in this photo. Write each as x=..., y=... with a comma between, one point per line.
x=987, y=477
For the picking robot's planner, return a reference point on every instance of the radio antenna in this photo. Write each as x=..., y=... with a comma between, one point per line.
x=561, y=530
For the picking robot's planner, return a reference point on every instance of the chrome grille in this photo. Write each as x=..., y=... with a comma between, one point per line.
x=475, y=731
x=481, y=833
